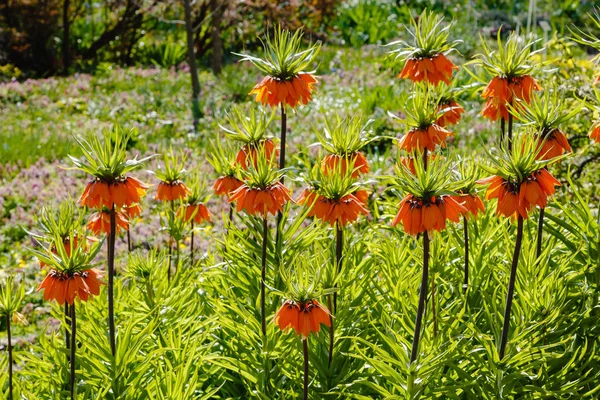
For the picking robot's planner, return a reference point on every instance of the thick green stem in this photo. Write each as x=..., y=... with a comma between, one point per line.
x=466, y=234
x=263, y=275
x=305, y=352
x=150, y=294
x=10, y=358
x=502, y=129
x=111, y=274
x=511, y=287
x=422, y=297
x=73, y=348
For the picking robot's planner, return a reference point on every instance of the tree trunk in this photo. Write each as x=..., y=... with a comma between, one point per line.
x=66, y=43
x=131, y=17
x=189, y=30
x=217, y=11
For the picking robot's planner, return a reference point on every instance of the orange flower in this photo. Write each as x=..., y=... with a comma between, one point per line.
x=197, y=212
x=171, y=191
x=362, y=196
x=434, y=69
x=343, y=211
x=513, y=198
x=357, y=159
x=252, y=152
x=100, y=222
x=418, y=216
x=226, y=185
x=307, y=197
x=472, y=204
x=132, y=211
x=98, y=194
x=428, y=138
x=134, y=191
x=553, y=145
x=261, y=201
x=452, y=114
x=273, y=91
x=501, y=91
x=595, y=132
x=63, y=287
x=304, y=317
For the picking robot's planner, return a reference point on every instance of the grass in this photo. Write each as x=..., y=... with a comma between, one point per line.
x=198, y=336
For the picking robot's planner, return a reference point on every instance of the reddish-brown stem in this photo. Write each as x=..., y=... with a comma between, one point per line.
x=305, y=352
x=281, y=165
x=192, y=244
x=129, y=244
x=73, y=348
x=510, y=129
x=331, y=332
x=540, y=233
x=422, y=297
x=10, y=358
x=263, y=275
x=339, y=246
x=466, y=234
x=433, y=306
x=170, y=261
x=111, y=274
x=68, y=323
x=511, y=287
